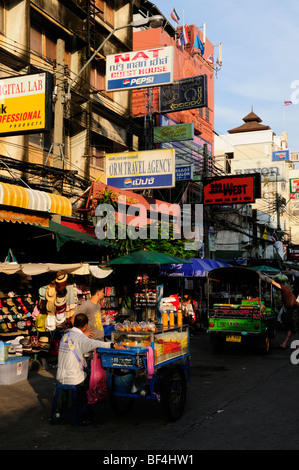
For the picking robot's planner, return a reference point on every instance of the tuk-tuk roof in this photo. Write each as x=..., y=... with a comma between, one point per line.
x=238, y=274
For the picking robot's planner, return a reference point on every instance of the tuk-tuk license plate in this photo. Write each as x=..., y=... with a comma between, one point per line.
x=233, y=338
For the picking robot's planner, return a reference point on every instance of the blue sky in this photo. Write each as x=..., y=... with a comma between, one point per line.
x=260, y=67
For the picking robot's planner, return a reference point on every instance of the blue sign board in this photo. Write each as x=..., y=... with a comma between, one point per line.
x=184, y=172
x=281, y=156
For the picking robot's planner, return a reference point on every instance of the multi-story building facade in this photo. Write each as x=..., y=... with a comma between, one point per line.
x=249, y=149
x=59, y=37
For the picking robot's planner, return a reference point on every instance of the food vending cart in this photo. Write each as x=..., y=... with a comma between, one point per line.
x=154, y=366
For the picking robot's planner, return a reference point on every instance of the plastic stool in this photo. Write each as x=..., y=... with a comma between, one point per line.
x=73, y=413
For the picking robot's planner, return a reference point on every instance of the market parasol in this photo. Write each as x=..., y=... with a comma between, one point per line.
x=198, y=268
x=146, y=257
x=265, y=269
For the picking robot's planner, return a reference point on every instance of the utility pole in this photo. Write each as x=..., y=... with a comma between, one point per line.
x=206, y=208
x=58, y=144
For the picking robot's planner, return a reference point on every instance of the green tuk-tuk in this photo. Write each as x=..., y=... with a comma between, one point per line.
x=240, y=307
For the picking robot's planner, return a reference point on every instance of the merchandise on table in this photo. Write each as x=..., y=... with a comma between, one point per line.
x=167, y=344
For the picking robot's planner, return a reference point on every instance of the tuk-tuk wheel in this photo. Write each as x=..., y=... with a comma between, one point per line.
x=174, y=393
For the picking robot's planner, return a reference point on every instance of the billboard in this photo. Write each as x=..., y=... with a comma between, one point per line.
x=140, y=69
x=25, y=104
x=294, y=185
x=187, y=93
x=184, y=172
x=141, y=170
x=233, y=190
x=281, y=156
x=174, y=133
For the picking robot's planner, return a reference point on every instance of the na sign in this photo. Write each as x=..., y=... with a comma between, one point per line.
x=140, y=69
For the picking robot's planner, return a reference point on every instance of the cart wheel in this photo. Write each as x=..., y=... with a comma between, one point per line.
x=121, y=405
x=174, y=393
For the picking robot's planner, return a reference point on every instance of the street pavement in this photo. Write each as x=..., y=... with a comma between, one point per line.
x=237, y=400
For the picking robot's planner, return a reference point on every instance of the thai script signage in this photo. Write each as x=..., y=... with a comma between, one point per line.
x=141, y=170
x=174, y=133
x=140, y=69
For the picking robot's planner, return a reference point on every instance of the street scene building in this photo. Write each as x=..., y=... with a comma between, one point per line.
x=130, y=226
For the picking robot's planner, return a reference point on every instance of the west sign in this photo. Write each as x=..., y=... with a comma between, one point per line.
x=140, y=69
x=233, y=190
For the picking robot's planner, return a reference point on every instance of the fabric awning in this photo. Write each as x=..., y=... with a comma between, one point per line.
x=32, y=199
x=65, y=234
x=33, y=269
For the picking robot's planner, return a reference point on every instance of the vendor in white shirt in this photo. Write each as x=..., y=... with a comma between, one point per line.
x=72, y=368
x=73, y=346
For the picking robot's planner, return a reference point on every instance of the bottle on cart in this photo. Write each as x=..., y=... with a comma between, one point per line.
x=179, y=318
x=165, y=319
x=171, y=319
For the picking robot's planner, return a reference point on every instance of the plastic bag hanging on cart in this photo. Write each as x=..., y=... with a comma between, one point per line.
x=98, y=384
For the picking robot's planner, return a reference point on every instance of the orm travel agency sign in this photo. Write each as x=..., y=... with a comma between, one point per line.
x=141, y=170
x=140, y=69
x=25, y=104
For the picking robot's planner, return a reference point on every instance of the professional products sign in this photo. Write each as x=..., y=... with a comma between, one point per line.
x=140, y=69
x=188, y=93
x=233, y=190
x=141, y=170
x=25, y=104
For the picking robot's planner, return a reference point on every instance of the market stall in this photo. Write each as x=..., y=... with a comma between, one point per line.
x=146, y=291
x=37, y=301
x=156, y=362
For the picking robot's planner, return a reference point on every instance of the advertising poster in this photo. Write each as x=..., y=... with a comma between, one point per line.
x=140, y=69
x=25, y=104
x=139, y=170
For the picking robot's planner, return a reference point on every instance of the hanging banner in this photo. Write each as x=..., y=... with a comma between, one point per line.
x=25, y=104
x=188, y=93
x=140, y=69
x=140, y=170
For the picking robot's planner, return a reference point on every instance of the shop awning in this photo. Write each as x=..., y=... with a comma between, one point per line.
x=65, y=234
x=33, y=269
x=32, y=199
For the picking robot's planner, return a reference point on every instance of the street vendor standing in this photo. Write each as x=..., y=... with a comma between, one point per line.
x=92, y=310
x=290, y=314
